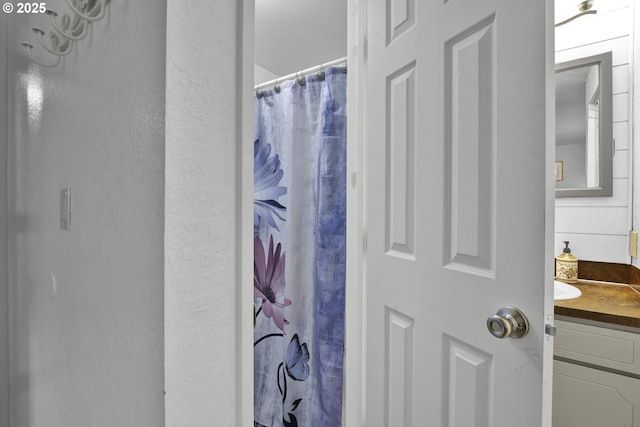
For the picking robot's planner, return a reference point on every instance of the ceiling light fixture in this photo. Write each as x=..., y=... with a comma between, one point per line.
x=584, y=8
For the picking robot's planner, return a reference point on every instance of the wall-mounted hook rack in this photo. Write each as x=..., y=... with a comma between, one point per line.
x=71, y=28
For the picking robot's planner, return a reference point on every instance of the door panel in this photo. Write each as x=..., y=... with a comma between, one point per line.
x=400, y=19
x=401, y=194
x=399, y=369
x=470, y=145
x=469, y=384
x=455, y=98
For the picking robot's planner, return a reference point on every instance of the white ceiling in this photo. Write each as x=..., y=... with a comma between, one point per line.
x=292, y=35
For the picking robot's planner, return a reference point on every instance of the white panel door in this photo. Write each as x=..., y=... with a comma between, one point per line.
x=455, y=212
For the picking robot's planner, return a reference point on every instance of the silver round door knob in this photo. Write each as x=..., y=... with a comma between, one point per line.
x=508, y=322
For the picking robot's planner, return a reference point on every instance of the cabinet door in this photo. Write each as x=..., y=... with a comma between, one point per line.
x=587, y=397
x=598, y=346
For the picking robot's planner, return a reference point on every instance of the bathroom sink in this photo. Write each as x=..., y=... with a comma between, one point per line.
x=564, y=291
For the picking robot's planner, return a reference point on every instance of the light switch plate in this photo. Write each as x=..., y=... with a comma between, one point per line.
x=65, y=209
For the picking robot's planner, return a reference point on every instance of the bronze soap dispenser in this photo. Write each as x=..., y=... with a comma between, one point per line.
x=566, y=265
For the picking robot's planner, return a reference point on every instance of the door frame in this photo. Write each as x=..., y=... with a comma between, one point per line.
x=353, y=410
x=550, y=206
x=353, y=386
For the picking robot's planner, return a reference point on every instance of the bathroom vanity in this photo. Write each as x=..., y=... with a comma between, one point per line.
x=597, y=357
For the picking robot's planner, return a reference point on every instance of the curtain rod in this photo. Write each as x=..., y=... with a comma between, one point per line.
x=301, y=73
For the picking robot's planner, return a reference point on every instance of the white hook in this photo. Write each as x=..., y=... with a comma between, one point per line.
x=55, y=43
x=73, y=33
x=91, y=16
x=30, y=47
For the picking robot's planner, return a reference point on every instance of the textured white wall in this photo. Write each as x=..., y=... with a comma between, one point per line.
x=208, y=215
x=86, y=306
x=4, y=344
x=597, y=226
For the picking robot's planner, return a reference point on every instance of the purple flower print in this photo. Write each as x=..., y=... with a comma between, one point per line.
x=268, y=281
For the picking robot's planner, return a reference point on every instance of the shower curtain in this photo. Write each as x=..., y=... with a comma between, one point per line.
x=299, y=251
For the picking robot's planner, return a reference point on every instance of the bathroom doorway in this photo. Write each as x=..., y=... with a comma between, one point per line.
x=299, y=212
x=357, y=307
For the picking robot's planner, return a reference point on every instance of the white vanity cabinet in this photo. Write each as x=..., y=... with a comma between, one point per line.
x=596, y=380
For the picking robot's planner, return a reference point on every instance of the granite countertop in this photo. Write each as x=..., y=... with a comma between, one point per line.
x=613, y=303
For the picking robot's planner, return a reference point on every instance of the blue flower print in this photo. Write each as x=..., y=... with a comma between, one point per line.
x=266, y=177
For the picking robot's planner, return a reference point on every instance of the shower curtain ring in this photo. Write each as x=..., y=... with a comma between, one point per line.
x=301, y=80
x=320, y=74
x=276, y=87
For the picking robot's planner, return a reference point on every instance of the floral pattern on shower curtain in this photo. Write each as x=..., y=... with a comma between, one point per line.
x=300, y=251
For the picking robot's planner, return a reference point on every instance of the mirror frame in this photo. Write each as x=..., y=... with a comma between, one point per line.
x=605, y=189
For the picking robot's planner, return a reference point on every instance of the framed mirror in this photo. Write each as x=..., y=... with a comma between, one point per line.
x=584, y=141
